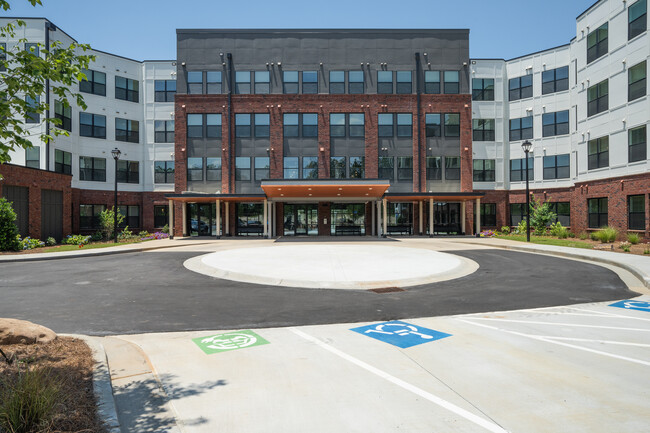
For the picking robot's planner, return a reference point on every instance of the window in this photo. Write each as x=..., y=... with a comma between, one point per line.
x=452, y=82
x=337, y=82
x=290, y=167
x=213, y=125
x=452, y=125
x=355, y=82
x=386, y=167
x=195, y=82
x=92, y=125
x=489, y=214
x=555, y=123
x=484, y=170
x=262, y=167
x=357, y=125
x=483, y=129
x=598, y=153
x=213, y=169
x=89, y=215
x=291, y=127
x=384, y=125
x=637, y=144
x=31, y=47
x=636, y=76
x=404, y=168
x=518, y=169
x=434, y=168
x=452, y=167
x=262, y=125
x=597, y=98
x=597, y=208
x=165, y=90
x=597, y=43
x=164, y=131
x=309, y=82
x=517, y=213
x=636, y=212
x=404, y=125
x=404, y=82
x=64, y=114
x=637, y=21
x=521, y=129
x=3, y=56
x=483, y=89
x=194, y=169
x=310, y=125
x=32, y=115
x=555, y=80
x=62, y=162
x=432, y=125
x=563, y=212
x=195, y=125
x=556, y=166
x=127, y=130
x=127, y=89
x=33, y=157
x=160, y=216
x=262, y=82
x=92, y=169
x=337, y=125
x=384, y=82
x=213, y=82
x=243, y=126
x=290, y=82
x=128, y=171
x=131, y=216
x=242, y=82
x=163, y=172
x=357, y=167
x=94, y=83
x=520, y=88
x=310, y=167
x=432, y=82
x=242, y=168
x=337, y=167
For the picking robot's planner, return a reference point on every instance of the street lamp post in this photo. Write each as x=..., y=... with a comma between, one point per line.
x=526, y=146
x=116, y=155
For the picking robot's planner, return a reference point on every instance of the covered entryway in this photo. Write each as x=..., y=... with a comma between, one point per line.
x=300, y=219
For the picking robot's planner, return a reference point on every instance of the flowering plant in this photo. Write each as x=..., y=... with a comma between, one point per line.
x=156, y=235
x=29, y=243
x=487, y=234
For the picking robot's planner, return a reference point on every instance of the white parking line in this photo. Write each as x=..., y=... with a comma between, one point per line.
x=587, y=340
x=605, y=313
x=531, y=322
x=405, y=385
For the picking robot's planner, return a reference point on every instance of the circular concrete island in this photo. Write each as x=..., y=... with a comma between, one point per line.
x=319, y=266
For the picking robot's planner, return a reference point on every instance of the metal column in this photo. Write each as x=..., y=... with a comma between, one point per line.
x=274, y=218
x=266, y=219
x=431, y=230
x=269, y=212
x=385, y=232
x=171, y=218
x=184, y=207
x=478, y=215
x=227, y=228
x=421, y=210
x=462, y=217
x=372, y=212
x=379, y=218
x=218, y=219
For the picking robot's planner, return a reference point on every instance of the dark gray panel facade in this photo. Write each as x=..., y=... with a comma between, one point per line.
x=19, y=198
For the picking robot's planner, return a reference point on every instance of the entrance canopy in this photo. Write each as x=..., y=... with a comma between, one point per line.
x=198, y=197
x=325, y=189
x=436, y=196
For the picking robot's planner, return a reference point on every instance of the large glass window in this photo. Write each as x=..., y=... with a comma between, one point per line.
x=163, y=172
x=160, y=216
x=484, y=170
x=404, y=82
x=131, y=216
x=637, y=18
x=452, y=167
x=62, y=162
x=521, y=129
x=262, y=122
x=404, y=168
x=33, y=157
x=242, y=168
x=337, y=124
x=520, y=88
x=556, y=166
x=386, y=167
x=89, y=215
x=213, y=169
x=128, y=171
x=636, y=212
x=195, y=82
x=290, y=125
x=213, y=125
x=518, y=169
x=452, y=125
x=291, y=167
x=636, y=78
x=337, y=82
x=92, y=169
x=94, y=83
x=597, y=43
x=213, y=82
x=489, y=214
x=432, y=82
x=404, y=125
x=483, y=89
x=434, y=168
x=483, y=129
x=555, y=123
x=357, y=167
x=164, y=90
x=127, y=89
x=262, y=167
x=32, y=115
x=452, y=82
x=195, y=125
x=242, y=125
x=384, y=82
x=309, y=82
x=337, y=167
x=347, y=219
x=598, y=98
x=355, y=82
x=563, y=211
x=310, y=167
x=64, y=114
x=555, y=80
x=262, y=82
x=127, y=130
x=194, y=169
x=385, y=125
x=92, y=125
x=598, y=153
x=309, y=125
x=517, y=213
x=432, y=125
x=357, y=125
x=290, y=82
x=243, y=82
x=597, y=212
x=637, y=144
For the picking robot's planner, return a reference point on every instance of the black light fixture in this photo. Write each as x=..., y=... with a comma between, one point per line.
x=527, y=146
x=116, y=155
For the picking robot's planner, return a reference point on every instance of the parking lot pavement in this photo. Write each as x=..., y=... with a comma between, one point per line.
x=580, y=368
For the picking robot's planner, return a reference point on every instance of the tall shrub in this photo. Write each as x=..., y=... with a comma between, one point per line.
x=541, y=216
x=8, y=228
x=107, y=221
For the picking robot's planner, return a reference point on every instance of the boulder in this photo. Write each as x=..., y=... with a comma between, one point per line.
x=14, y=331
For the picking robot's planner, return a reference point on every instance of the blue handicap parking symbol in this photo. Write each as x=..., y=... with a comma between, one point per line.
x=400, y=334
x=632, y=305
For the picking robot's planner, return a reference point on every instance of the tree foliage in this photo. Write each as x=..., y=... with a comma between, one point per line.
x=26, y=76
x=107, y=221
x=541, y=216
x=8, y=228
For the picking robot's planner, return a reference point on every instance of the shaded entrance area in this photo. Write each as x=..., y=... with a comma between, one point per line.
x=300, y=219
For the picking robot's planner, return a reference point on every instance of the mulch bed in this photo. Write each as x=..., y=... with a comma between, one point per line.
x=71, y=363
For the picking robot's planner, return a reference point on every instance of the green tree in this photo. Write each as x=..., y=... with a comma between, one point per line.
x=26, y=77
x=8, y=228
x=107, y=221
x=541, y=216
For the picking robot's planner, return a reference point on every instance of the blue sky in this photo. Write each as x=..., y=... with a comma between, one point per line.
x=146, y=29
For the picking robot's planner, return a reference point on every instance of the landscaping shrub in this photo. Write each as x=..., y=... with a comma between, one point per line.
x=76, y=240
x=559, y=230
x=50, y=241
x=29, y=243
x=594, y=236
x=633, y=238
x=606, y=234
x=107, y=222
x=165, y=229
x=8, y=228
x=582, y=236
x=541, y=216
x=521, y=228
x=125, y=234
x=143, y=234
x=572, y=235
x=505, y=230
x=625, y=246
x=646, y=249
x=97, y=236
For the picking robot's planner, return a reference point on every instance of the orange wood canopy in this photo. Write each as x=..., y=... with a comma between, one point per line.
x=333, y=189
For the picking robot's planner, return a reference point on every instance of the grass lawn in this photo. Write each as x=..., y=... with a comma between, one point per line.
x=545, y=240
x=61, y=248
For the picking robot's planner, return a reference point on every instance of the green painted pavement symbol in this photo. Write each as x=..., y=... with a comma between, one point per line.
x=229, y=341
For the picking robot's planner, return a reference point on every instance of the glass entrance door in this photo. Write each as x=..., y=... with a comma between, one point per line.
x=202, y=219
x=447, y=218
x=300, y=219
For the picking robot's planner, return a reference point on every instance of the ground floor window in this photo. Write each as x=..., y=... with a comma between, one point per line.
x=400, y=218
x=89, y=215
x=563, y=211
x=636, y=212
x=597, y=212
x=489, y=214
x=348, y=219
x=446, y=218
x=160, y=216
x=517, y=213
x=131, y=216
x=250, y=219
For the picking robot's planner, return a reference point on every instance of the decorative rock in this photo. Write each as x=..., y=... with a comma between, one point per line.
x=14, y=331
